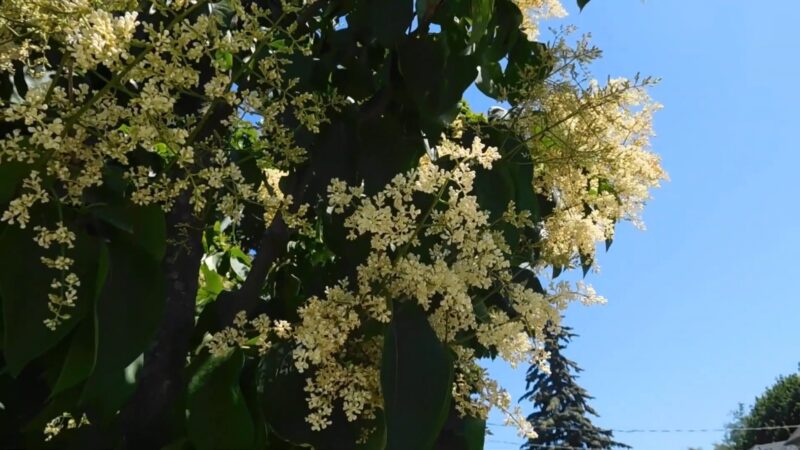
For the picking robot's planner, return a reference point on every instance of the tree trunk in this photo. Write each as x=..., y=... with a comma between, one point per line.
x=146, y=418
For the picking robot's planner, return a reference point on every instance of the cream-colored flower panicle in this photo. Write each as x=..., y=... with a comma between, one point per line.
x=467, y=261
x=595, y=163
x=537, y=10
x=117, y=92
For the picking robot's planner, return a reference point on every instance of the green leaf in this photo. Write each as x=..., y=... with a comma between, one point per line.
x=523, y=56
x=586, y=265
x=503, y=31
x=421, y=7
x=6, y=86
x=582, y=4
x=80, y=358
x=490, y=79
x=495, y=188
x=127, y=314
x=463, y=433
x=422, y=61
x=436, y=79
x=281, y=391
x=24, y=287
x=11, y=175
x=217, y=413
x=481, y=17
x=282, y=396
x=165, y=152
x=146, y=225
x=224, y=60
x=416, y=380
x=249, y=386
x=212, y=286
x=388, y=20
x=474, y=433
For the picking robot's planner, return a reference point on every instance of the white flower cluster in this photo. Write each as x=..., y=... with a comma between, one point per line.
x=101, y=38
x=594, y=162
x=65, y=286
x=537, y=10
x=467, y=262
x=71, y=132
x=63, y=421
x=257, y=333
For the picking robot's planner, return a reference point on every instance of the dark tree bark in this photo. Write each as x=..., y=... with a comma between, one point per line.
x=145, y=419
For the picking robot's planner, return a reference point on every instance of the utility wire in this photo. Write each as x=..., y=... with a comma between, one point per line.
x=674, y=430
x=542, y=446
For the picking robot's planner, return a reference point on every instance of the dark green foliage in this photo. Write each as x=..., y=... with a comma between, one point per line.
x=217, y=414
x=778, y=405
x=562, y=415
x=406, y=64
x=414, y=361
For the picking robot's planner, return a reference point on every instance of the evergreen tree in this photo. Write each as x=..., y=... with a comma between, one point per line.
x=561, y=414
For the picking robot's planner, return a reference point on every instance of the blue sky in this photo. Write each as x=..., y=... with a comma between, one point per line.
x=703, y=311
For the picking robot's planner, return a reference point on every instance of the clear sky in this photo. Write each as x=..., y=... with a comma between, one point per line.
x=703, y=309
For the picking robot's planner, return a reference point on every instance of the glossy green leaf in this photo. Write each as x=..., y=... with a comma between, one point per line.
x=282, y=398
x=128, y=311
x=481, y=17
x=503, y=31
x=165, y=152
x=280, y=387
x=523, y=56
x=490, y=79
x=586, y=264
x=6, y=87
x=144, y=225
x=494, y=189
x=211, y=286
x=217, y=413
x=388, y=20
x=436, y=79
x=11, y=175
x=422, y=61
x=414, y=362
x=421, y=7
x=79, y=360
x=474, y=433
x=248, y=382
x=24, y=287
x=462, y=433
x=224, y=60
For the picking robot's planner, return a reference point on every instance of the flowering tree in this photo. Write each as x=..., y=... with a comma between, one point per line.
x=274, y=223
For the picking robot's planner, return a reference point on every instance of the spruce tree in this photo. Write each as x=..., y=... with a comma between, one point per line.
x=562, y=415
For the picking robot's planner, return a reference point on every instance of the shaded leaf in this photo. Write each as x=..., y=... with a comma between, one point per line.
x=79, y=360
x=145, y=224
x=127, y=315
x=481, y=16
x=11, y=175
x=24, y=287
x=414, y=362
x=217, y=413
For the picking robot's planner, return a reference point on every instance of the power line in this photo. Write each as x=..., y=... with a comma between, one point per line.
x=674, y=430
x=541, y=446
